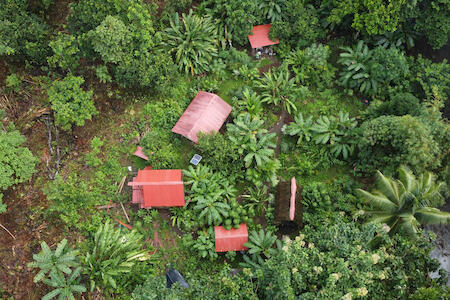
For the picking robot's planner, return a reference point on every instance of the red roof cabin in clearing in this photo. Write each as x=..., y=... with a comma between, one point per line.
x=206, y=113
x=158, y=188
x=231, y=240
x=259, y=36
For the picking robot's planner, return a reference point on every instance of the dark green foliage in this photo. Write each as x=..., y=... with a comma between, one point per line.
x=70, y=103
x=399, y=105
x=433, y=20
x=202, y=285
x=235, y=17
x=430, y=78
x=204, y=245
x=390, y=141
x=299, y=26
x=311, y=67
x=334, y=262
x=22, y=33
x=111, y=253
x=220, y=153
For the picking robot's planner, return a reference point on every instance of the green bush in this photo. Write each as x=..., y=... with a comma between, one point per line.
x=70, y=103
x=66, y=52
x=399, y=105
x=22, y=33
x=390, y=141
x=429, y=77
x=311, y=67
x=433, y=21
x=299, y=26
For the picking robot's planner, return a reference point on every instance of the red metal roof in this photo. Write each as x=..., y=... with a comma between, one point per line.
x=260, y=36
x=231, y=240
x=158, y=188
x=206, y=113
x=140, y=153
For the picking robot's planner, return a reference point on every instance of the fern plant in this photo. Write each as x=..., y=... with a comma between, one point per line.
x=112, y=253
x=56, y=262
x=64, y=287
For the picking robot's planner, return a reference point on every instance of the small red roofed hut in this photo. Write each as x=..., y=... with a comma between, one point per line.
x=140, y=153
x=206, y=113
x=259, y=36
x=158, y=188
x=231, y=240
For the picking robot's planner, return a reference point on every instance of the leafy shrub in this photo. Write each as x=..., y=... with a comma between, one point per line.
x=235, y=17
x=332, y=262
x=111, y=253
x=399, y=105
x=220, y=153
x=433, y=21
x=389, y=141
x=22, y=33
x=192, y=42
x=299, y=26
x=70, y=103
x=16, y=161
x=429, y=77
x=311, y=67
x=66, y=52
x=204, y=244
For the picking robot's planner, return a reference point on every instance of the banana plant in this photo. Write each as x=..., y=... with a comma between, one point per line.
x=251, y=102
x=244, y=130
x=301, y=127
x=260, y=150
x=356, y=73
x=64, y=288
x=212, y=209
x=59, y=261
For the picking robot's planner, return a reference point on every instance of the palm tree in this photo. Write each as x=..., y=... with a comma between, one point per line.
x=193, y=42
x=405, y=203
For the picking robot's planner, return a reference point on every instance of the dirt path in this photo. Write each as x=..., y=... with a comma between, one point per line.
x=277, y=129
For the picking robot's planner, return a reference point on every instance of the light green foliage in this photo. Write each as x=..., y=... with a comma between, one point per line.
x=110, y=254
x=390, y=141
x=278, y=89
x=102, y=74
x=64, y=288
x=262, y=243
x=92, y=159
x=59, y=261
x=111, y=39
x=251, y=102
x=22, y=33
x=71, y=104
x=431, y=77
x=310, y=66
x=371, y=16
x=16, y=161
x=235, y=17
x=66, y=52
x=192, y=42
x=204, y=245
x=299, y=26
x=271, y=10
x=335, y=262
x=406, y=203
x=211, y=210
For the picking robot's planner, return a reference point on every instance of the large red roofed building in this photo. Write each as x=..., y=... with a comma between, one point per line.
x=158, y=188
x=259, y=36
x=231, y=240
x=206, y=113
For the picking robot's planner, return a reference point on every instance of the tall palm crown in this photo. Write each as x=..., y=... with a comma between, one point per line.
x=405, y=203
x=193, y=42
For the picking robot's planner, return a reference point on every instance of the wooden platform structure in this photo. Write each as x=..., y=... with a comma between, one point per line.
x=288, y=213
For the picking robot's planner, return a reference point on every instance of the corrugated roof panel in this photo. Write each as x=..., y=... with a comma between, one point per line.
x=231, y=240
x=260, y=36
x=207, y=112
